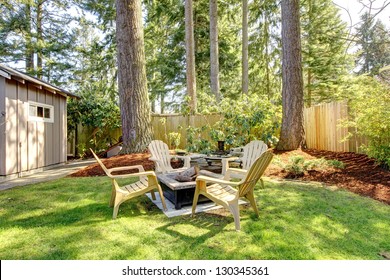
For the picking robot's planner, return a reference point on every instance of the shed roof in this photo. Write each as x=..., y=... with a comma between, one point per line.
x=11, y=73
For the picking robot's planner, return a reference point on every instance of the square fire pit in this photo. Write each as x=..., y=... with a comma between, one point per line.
x=179, y=193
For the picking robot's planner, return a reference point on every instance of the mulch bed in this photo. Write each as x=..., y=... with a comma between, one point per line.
x=361, y=174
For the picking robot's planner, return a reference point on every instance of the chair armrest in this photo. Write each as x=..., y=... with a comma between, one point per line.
x=225, y=163
x=215, y=180
x=139, y=174
x=238, y=170
x=230, y=159
x=187, y=160
x=122, y=168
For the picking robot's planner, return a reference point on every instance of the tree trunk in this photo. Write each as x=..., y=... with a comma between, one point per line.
x=245, y=66
x=267, y=56
x=40, y=40
x=190, y=56
x=292, y=133
x=309, y=40
x=132, y=84
x=29, y=54
x=214, y=55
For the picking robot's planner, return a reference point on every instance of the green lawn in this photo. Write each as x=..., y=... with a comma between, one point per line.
x=70, y=219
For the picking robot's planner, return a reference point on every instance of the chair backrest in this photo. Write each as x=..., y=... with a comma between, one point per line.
x=255, y=172
x=252, y=151
x=160, y=151
x=101, y=163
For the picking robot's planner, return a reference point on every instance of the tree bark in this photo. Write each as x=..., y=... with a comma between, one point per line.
x=132, y=83
x=245, y=65
x=214, y=54
x=190, y=56
x=29, y=54
x=40, y=40
x=292, y=133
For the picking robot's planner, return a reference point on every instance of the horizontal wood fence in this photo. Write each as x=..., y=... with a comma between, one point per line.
x=323, y=127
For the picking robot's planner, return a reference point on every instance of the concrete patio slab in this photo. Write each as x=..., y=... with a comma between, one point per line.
x=47, y=175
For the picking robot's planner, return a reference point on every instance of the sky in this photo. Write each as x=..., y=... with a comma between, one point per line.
x=356, y=9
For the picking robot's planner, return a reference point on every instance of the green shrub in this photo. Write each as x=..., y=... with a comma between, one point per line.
x=174, y=139
x=297, y=165
x=369, y=103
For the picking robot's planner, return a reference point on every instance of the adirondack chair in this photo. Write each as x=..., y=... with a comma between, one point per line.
x=251, y=152
x=227, y=193
x=147, y=183
x=162, y=158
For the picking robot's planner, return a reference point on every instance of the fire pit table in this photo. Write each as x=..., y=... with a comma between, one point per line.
x=179, y=193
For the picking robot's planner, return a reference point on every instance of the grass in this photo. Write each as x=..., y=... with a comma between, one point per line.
x=70, y=219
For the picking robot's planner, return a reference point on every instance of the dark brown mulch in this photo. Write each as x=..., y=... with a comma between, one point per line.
x=361, y=174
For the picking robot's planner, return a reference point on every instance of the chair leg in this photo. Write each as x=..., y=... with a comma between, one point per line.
x=227, y=176
x=113, y=196
x=250, y=196
x=162, y=197
x=195, y=201
x=262, y=182
x=153, y=194
x=233, y=207
x=118, y=202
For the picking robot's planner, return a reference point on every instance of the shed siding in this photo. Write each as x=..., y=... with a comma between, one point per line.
x=2, y=126
x=56, y=130
x=49, y=152
x=32, y=133
x=11, y=127
x=23, y=128
x=27, y=145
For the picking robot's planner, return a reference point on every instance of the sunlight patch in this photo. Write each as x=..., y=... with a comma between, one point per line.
x=330, y=229
x=189, y=230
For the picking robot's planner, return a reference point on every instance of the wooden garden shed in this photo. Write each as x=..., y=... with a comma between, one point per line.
x=33, y=124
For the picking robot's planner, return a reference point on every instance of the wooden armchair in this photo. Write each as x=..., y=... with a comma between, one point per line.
x=251, y=152
x=162, y=158
x=147, y=183
x=227, y=193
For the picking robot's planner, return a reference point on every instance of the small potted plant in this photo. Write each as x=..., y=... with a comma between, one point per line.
x=219, y=136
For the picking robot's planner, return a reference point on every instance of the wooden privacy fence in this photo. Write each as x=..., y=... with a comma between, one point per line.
x=162, y=124
x=324, y=129
x=166, y=123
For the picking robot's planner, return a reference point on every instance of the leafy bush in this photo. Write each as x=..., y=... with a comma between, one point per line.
x=369, y=102
x=196, y=142
x=248, y=118
x=99, y=115
x=174, y=139
x=297, y=165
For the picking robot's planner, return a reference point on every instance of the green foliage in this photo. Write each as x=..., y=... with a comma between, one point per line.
x=42, y=35
x=243, y=120
x=174, y=139
x=165, y=52
x=248, y=118
x=324, y=56
x=370, y=114
x=196, y=141
x=97, y=113
x=265, y=49
x=336, y=164
x=373, y=40
x=297, y=165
